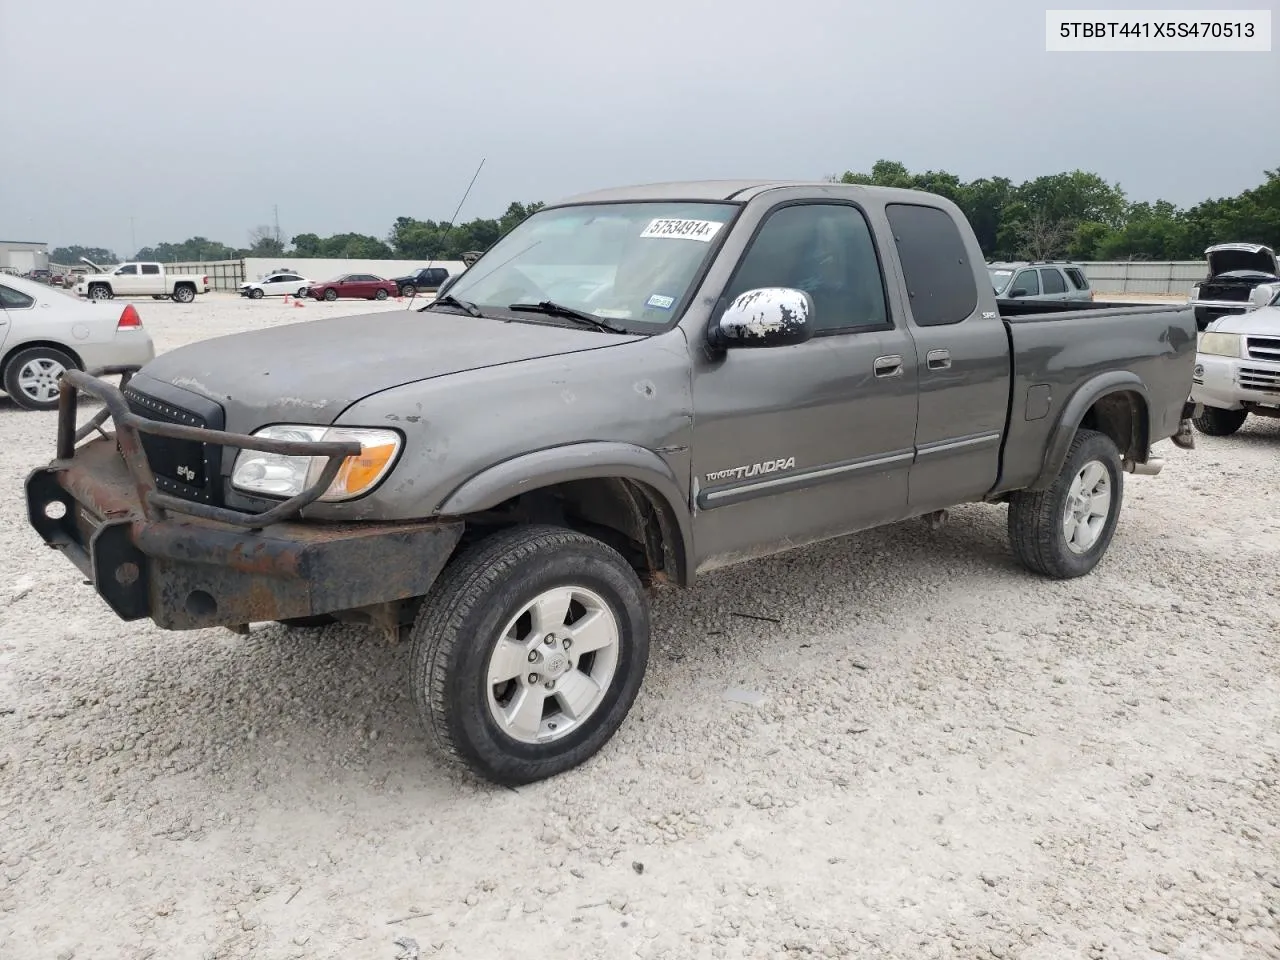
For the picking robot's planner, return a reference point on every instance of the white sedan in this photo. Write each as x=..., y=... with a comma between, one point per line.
x=280, y=284
x=44, y=331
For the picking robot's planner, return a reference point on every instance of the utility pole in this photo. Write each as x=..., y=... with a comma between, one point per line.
x=133, y=240
x=275, y=209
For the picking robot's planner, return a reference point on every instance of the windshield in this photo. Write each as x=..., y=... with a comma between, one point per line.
x=627, y=262
x=1000, y=279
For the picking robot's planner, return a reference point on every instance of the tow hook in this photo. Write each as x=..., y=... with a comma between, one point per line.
x=1149, y=469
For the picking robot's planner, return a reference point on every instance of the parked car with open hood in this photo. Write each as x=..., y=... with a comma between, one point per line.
x=1234, y=270
x=45, y=331
x=143, y=279
x=353, y=286
x=1237, y=371
x=631, y=388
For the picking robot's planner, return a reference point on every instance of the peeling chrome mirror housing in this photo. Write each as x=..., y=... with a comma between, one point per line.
x=765, y=317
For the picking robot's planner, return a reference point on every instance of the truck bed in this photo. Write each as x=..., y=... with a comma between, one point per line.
x=1111, y=339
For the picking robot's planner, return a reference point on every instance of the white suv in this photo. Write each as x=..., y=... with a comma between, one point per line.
x=1237, y=369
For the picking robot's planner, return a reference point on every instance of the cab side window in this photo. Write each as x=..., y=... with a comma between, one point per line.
x=941, y=284
x=1025, y=284
x=826, y=250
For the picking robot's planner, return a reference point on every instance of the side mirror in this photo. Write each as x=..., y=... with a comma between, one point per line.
x=1016, y=292
x=1262, y=294
x=766, y=317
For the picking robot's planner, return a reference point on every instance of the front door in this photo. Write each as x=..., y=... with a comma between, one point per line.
x=124, y=282
x=800, y=443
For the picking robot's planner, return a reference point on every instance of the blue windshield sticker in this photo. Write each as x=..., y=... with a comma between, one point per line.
x=661, y=302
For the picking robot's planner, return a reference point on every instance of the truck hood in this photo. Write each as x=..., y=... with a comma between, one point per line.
x=1229, y=257
x=1263, y=322
x=310, y=372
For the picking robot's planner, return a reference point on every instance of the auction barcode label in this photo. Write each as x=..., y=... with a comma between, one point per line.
x=1158, y=31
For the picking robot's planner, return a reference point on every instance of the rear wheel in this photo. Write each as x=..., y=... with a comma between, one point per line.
x=1217, y=422
x=1063, y=532
x=529, y=652
x=31, y=377
x=184, y=294
x=331, y=295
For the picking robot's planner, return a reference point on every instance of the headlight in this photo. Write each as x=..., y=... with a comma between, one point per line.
x=1220, y=344
x=275, y=475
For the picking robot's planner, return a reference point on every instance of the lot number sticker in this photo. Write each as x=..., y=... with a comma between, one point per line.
x=702, y=230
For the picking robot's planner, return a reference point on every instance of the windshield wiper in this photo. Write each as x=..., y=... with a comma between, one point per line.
x=553, y=309
x=449, y=300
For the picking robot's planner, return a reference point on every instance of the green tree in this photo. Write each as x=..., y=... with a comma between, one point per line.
x=70, y=256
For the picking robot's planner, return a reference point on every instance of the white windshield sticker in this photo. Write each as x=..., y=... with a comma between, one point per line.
x=660, y=302
x=702, y=230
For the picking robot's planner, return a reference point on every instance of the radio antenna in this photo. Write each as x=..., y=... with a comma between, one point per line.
x=452, y=223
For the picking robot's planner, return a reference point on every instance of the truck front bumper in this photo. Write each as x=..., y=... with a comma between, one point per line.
x=1231, y=384
x=189, y=565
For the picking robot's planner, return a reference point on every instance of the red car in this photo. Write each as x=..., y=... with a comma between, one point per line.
x=353, y=286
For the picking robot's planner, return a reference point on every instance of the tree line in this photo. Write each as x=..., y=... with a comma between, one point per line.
x=1074, y=215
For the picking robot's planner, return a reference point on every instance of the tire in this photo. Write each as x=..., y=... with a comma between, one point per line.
x=380, y=295
x=1038, y=520
x=462, y=621
x=100, y=291
x=408, y=290
x=331, y=295
x=30, y=378
x=302, y=292
x=256, y=294
x=183, y=294
x=1217, y=422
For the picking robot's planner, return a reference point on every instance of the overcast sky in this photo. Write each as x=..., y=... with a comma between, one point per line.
x=197, y=118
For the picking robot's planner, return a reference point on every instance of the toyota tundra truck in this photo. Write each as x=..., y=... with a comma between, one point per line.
x=632, y=388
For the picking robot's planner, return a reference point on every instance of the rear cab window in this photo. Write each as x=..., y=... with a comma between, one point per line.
x=941, y=288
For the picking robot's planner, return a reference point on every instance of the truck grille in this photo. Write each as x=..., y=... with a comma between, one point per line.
x=1263, y=348
x=1255, y=379
x=183, y=468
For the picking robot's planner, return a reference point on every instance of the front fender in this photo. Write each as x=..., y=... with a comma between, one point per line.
x=579, y=461
x=1089, y=393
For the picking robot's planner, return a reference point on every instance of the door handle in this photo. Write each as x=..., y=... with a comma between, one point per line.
x=888, y=366
x=938, y=359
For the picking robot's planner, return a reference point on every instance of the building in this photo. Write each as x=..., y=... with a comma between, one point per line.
x=21, y=256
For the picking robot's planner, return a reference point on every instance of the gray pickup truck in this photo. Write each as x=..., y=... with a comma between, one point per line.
x=632, y=387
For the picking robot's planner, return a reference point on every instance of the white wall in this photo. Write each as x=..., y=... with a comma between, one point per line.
x=255, y=268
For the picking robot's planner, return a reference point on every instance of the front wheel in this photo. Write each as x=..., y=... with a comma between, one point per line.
x=408, y=290
x=380, y=295
x=302, y=292
x=1063, y=532
x=256, y=294
x=1216, y=422
x=100, y=292
x=331, y=295
x=529, y=652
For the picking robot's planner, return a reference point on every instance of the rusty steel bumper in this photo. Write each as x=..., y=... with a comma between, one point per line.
x=188, y=565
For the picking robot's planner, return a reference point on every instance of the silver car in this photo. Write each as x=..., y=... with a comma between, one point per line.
x=1039, y=280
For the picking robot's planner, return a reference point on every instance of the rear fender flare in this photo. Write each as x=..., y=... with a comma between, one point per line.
x=1089, y=393
x=594, y=460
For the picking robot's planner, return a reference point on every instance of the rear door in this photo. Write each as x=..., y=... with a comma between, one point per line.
x=963, y=358
x=150, y=279
x=799, y=443
x=1053, y=285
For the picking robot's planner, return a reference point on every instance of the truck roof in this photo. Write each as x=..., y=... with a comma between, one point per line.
x=739, y=190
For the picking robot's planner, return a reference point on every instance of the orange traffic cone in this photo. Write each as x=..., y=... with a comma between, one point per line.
x=298, y=303
x=287, y=299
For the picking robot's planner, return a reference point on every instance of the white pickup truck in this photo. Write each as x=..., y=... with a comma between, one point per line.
x=138, y=279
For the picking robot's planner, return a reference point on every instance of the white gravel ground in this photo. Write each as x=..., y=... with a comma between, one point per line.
x=953, y=758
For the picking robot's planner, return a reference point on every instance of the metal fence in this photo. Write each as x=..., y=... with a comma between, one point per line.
x=1170, y=277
